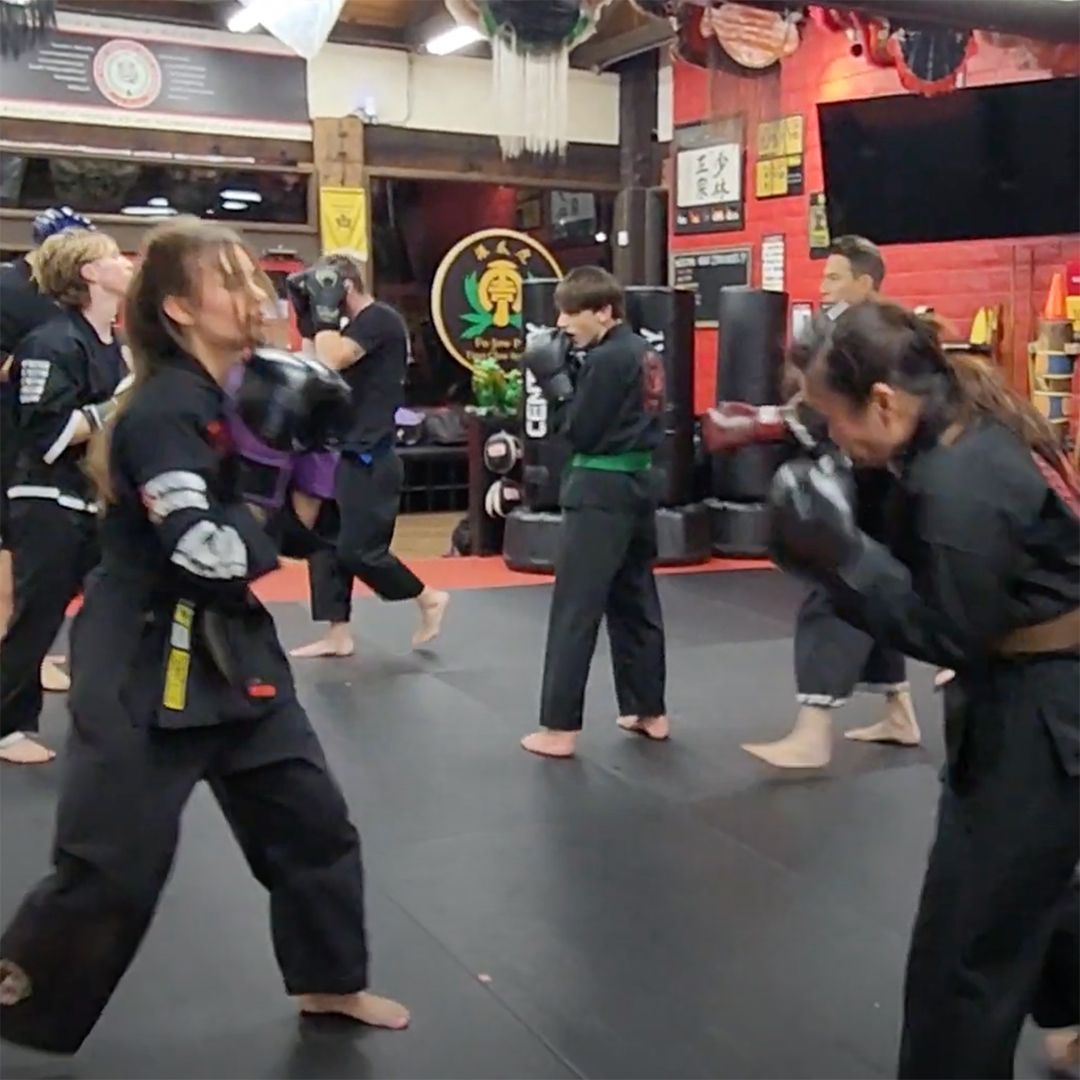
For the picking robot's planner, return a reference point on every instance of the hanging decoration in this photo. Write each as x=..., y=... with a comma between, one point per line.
x=1059, y=59
x=302, y=25
x=752, y=37
x=930, y=59
x=531, y=41
x=23, y=23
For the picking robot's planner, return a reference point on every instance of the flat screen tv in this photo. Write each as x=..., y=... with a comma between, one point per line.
x=969, y=165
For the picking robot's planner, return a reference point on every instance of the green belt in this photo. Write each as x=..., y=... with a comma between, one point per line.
x=630, y=462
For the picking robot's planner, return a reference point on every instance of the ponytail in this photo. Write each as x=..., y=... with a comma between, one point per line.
x=983, y=391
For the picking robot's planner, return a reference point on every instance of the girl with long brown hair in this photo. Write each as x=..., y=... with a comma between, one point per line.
x=178, y=676
x=980, y=574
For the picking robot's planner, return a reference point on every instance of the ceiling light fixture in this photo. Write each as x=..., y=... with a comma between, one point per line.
x=232, y=204
x=242, y=196
x=247, y=17
x=148, y=211
x=449, y=41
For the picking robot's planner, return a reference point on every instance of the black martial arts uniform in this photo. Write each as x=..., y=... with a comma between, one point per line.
x=370, y=475
x=985, y=547
x=59, y=369
x=607, y=543
x=22, y=309
x=178, y=676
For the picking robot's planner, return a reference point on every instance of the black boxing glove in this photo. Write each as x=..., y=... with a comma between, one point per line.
x=546, y=358
x=296, y=287
x=325, y=288
x=813, y=533
x=293, y=403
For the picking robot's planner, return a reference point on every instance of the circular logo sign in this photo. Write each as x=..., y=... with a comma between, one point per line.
x=127, y=73
x=476, y=295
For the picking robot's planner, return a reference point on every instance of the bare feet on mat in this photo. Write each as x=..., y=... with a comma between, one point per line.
x=549, y=743
x=432, y=604
x=1063, y=1051
x=14, y=983
x=25, y=751
x=656, y=728
x=808, y=746
x=365, y=1006
x=898, y=726
x=54, y=679
x=338, y=642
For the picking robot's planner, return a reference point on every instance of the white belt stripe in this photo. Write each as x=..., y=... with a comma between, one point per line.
x=39, y=491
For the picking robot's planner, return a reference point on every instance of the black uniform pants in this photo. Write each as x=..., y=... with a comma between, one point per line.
x=1006, y=849
x=832, y=657
x=118, y=822
x=52, y=550
x=604, y=568
x=368, y=496
x=1057, y=998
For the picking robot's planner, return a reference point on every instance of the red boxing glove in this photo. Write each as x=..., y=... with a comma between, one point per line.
x=735, y=424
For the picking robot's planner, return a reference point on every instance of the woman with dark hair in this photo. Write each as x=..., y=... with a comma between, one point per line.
x=981, y=575
x=178, y=675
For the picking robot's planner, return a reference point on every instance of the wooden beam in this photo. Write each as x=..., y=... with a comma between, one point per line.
x=600, y=53
x=437, y=155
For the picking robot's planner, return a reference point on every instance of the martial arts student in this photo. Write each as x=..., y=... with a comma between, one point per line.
x=65, y=374
x=23, y=308
x=611, y=414
x=833, y=659
x=371, y=352
x=178, y=676
x=981, y=575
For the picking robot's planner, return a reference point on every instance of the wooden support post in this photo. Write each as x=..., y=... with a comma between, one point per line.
x=338, y=152
x=637, y=242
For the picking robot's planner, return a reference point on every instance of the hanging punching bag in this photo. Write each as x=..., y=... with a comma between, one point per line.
x=750, y=366
x=664, y=317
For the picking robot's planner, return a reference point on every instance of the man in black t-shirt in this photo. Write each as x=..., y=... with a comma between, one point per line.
x=371, y=352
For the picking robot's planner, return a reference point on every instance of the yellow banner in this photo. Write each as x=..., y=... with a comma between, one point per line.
x=343, y=219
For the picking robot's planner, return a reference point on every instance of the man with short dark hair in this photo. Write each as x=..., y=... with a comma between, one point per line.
x=611, y=413
x=853, y=273
x=371, y=352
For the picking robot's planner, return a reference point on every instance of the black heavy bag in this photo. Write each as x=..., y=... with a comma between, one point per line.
x=544, y=455
x=750, y=363
x=664, y=317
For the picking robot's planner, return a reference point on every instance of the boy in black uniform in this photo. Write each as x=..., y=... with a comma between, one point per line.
x=371, y=352
x=613, y=421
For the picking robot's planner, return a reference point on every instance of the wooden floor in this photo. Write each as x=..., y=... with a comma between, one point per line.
x=424, y=536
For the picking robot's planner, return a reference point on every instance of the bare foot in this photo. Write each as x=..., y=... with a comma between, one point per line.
x=26, y=751
x=809, y=746
x=898, y=726
x=53, y=679
x=432, y=606
x=549, y=743
x=943, y=678
x=14, y=983
x=366, y=1007
x=652, y=727
x=1063, y=1051
x=338, y=642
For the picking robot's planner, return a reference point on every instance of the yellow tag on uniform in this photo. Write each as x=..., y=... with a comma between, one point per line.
x=178, y=666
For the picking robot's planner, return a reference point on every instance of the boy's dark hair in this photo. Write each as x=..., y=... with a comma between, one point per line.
x=349, y=264
x=863, y=255
x=589, y=288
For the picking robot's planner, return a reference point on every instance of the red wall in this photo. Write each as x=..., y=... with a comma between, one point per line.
x=955, y=278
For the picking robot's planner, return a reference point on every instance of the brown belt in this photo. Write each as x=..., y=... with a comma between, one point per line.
x=1055, y=635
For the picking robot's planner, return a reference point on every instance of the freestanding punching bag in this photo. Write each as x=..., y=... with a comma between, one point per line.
x=665, y=319
x=750, y=363
x=531, y=533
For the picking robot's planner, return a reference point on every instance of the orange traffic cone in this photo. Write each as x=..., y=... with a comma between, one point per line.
x=1055, y=299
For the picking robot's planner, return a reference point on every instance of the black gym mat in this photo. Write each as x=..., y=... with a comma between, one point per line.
x=643, y=911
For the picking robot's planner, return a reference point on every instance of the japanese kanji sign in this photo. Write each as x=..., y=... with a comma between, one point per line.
x=709, y=176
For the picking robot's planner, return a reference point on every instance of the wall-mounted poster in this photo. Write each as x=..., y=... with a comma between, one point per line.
x=802, y=318
x=706, y=273
x=779, y=169
x=772, y=263
x=818, y=226
x=709, y=194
